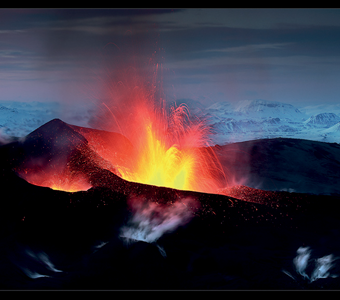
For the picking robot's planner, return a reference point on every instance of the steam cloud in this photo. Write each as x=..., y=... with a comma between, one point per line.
x=301, y=260
x=151, y=220
x=40, y=261
x=322, y=265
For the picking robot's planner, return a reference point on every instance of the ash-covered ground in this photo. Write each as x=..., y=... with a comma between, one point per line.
x=119, y=235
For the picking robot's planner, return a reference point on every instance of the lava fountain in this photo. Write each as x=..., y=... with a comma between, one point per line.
x=159, y=144
x=171, y=147
x=169, y=153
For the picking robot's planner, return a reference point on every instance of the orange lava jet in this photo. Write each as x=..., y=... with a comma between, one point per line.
x=169, y=155
x=170, y=147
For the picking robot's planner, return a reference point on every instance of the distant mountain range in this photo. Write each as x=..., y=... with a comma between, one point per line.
x=322, y=120
x=20, y=118
x=259, y=119
x=229, y=122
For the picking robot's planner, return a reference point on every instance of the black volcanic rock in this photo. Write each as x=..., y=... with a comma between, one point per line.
x=57, y=148
x=228, y=243
x=283, y=164
x=50, y=144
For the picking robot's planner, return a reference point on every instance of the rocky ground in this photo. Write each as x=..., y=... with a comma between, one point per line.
x=119, y=235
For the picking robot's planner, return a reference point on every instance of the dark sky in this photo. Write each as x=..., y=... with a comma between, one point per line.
x=288, y=55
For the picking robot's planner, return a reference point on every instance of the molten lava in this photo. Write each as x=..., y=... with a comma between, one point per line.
x=62, y=181
x=170, y=151
x=169, y=146
x=152, y=143
x=161, y=163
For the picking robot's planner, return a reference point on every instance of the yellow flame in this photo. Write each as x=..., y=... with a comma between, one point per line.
x=160, y=165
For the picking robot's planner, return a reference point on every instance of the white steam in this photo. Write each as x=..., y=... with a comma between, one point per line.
x=43, y=263
x=45, y=260
x=322, y=265
x=100, y=245
x=161, y=250
x=151, y=220
x=301, y=260
x=32, y=274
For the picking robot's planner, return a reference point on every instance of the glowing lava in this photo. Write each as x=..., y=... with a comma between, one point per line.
x=146, y=141
x=170, y=147
x=61, y=181
x=170, y=151
x=69, y=186
x=163, y=163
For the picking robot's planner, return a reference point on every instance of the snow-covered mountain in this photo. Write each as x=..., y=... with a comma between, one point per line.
x=229, y=125
x=229, y=122
x=332, y=134
x=334, y=129
x=324, y=120
x=264, y=109
x=251, y=119
x=20, y=118
x=254, y=119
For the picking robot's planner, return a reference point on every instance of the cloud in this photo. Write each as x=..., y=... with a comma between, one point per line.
x=198, y=45
x=249, y=48
x=11, y=53
x=96, y=21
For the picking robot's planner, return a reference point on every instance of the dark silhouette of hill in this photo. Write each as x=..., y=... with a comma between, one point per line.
x=302, y=166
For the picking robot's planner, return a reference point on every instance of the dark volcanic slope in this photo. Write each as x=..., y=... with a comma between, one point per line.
x=227, y=243
x=50, y=144
x=281, y=164
x=56, y=141
x=59, y=148
x=60, y=240
x=271, y=164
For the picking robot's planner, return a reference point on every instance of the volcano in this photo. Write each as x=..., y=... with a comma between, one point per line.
x=69, y=221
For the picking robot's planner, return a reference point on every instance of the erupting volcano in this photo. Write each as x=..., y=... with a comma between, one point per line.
x=144, y=202
x=166, y=145
x=170, y=147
